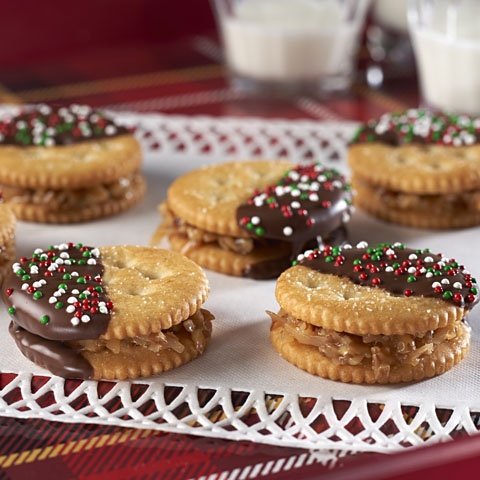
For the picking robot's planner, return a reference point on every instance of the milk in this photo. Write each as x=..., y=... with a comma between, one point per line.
x=447, y=49
x=289, y=41
x=391, y=14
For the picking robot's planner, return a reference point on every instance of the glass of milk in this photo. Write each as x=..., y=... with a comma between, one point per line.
x=446, y=40
x=288, y=46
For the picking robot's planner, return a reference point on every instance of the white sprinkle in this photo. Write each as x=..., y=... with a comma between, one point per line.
x=52, y=300
x=436, y=284
x=87, y=292
x=95, y=252
x=85, y=318
x=287, y=231
x=362, y=244
x=68, y=262
x=428, y=259
x=37, y=284
x=71, y=300
x=412, y=256
x=322, y=178
x=91, y=261
x=75, y=291
x=110, y=129
x=258, y=202
x=295, y=204
x=25, y=286
x=445, y=281
x=34, y=270
x=75, y=321
x=457, y=285
x=57, y=294
x=70, y=309
x=313, y=197
x=295, y=193
x=294, y=175
x=52, y=267
x=103, y=309
x=59, y=261
x=101, y=304
x=38, y=251
x=64, y=255
x=74, y=274
x=255, y=220
x=396, y=244
x=62, y=291
x=411, y=270
x=279, y=191
x=347, y=246
x=429, y=274
x=389, y=269
x=63, y=246
x=390, y=252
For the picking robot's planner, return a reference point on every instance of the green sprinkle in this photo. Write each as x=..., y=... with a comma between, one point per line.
x=67, y=276
x=454, y=264
x=304, y=196
x=63, y=285
x=32, y=264
x=426, y=250
x=357, y=262
x=396, y=265
x=82, y=262
x=11, y=310
x=82, y=296
x=375, y=257
x=447, y=295
x=431, y=270
x=347, y=187
x=20, y=271
x=250, y=226
x=259, y=231
x=79, y=245
x=26, y=277
x=371, y=138
x=294, y=263
x=99, y=289
x=437, y=273
x=51, y=247
x=37, y=295
x=44, y=319
x=59, y=305
x=81, y=280
x=86, y=253
x=35, y=255
x=401, y=246
x=474, y=280
x=329, y=259
x=474, y=290
x=411, y=278
x=418, y=251
x=370, y=250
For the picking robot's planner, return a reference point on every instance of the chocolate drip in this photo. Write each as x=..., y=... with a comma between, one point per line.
x=273, y=268
x=399, y=270
x=306, y=204
x=60, y=287
x=420, y=127
x=56, y=357
x=48, y=126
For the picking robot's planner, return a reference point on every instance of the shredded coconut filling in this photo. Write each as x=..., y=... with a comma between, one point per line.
x=73, y=198
x=380, y=352
x=196, y=236
x=196, y=326
x=451, y=202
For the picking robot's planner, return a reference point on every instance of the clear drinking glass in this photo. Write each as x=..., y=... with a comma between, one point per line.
x=288, y=46
x=446, y=41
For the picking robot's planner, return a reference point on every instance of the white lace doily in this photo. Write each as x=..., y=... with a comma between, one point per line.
x=252, y=409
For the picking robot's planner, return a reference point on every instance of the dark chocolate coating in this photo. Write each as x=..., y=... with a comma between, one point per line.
x=56, y=357
x=62, y=126
x=29, y=311
x=307, y=204
x=372, y=272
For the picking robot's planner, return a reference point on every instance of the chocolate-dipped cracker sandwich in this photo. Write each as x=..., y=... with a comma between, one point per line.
x=109, y=312
x=418, y=169
x=68, y=164
x=383, y=314
x=252, y=218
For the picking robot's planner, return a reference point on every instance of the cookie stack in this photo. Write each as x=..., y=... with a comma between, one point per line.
x=383, y=314
x=253, y=218
x=110, y=312
x=418, y=169
x=68, y=164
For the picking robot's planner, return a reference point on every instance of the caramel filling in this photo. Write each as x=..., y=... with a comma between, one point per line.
x=196, y=236
x=196, y=326
x=446, y=202
x=73, y=198
x=379, y=352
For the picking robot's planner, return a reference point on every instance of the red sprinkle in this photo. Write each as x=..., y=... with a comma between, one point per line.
x=78, y=313
x=9, y=291
x=376, y=281
x=407, y=293
x=471, y=297
x=30, y=289
x=109, y=305
x=458, y=297
x=363, y=276
x=438, y=289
